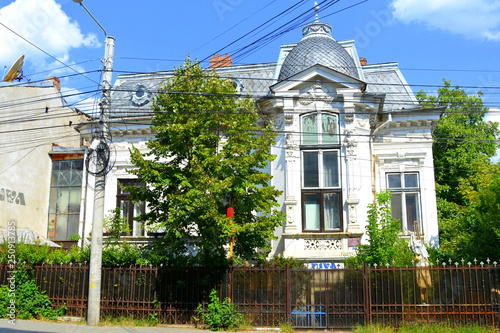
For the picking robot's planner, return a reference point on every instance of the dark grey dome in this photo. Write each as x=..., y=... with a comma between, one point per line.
x=317, y=47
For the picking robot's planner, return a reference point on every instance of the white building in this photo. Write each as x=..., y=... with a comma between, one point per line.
x=347, y=130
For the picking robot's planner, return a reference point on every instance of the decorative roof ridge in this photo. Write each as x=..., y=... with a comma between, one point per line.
x=317, y=28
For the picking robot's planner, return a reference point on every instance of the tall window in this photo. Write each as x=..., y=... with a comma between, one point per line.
x=65, y=198
x=321, y=190
x=130, y=209
x=405, y=205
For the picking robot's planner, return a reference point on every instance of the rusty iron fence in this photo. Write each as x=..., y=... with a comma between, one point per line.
x=305, y=298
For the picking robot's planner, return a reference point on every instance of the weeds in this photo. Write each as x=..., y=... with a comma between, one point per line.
x=219, y=315
x=423, y=328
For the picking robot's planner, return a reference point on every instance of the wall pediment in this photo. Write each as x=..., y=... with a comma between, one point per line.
x=317, y=73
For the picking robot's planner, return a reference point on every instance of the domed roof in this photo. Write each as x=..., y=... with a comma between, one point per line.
x=317, y=47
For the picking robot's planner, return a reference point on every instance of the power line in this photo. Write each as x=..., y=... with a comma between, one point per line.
x=48, y=54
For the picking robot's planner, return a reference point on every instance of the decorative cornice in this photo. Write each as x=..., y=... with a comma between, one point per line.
x=133, y=131
x=317, y=29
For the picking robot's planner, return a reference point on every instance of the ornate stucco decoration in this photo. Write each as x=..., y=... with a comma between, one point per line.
x=291, y=143
x=401, y=158
x=290, y=211
x=288, y=118
x=363, y=120
x=140, y=95
x=352, y=202
x=349, y=117
x=125, y=146
x=349, y=142
x=317, y=93
x=322, y=244
x=291, y=146
x=318, y=28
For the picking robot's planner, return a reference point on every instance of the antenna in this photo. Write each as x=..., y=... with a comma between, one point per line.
x=15, y=71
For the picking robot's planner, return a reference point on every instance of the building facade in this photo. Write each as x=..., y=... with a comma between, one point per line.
x=41, y=160
x=347, y=130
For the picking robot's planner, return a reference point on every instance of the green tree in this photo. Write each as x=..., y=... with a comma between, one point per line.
x=481, y=221
x=463, y=145
x=384, y=244
x=208, y=154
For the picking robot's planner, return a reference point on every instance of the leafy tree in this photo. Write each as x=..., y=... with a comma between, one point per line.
x=463, y=140
x=208, y=153
x=463, y=145
x=385, y=246
x=481, y=221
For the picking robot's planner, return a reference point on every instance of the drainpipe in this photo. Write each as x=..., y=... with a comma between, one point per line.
x=83, y=205
x=372, y=137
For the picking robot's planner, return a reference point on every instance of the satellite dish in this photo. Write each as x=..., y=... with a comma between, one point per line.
x=15, y=70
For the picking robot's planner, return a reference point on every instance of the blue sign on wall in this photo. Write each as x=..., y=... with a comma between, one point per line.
x=324, y=265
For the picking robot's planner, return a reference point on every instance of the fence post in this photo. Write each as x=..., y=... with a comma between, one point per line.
x=231, y=286
x=288, y=294
x=491, y=296
x=367, y=294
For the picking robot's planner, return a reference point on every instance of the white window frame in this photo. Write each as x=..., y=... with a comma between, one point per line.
x=322, y=190
x=405, y=191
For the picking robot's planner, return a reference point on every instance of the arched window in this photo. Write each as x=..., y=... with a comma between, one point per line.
x=320, y=129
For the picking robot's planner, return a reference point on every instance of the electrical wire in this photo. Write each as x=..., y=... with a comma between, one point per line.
x=48, y=54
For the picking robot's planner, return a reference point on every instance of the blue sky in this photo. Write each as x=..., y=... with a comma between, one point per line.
x=430, y=39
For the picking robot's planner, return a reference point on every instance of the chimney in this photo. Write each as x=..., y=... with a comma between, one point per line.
x=363, y=61
x=55, y=82
x=218, y=61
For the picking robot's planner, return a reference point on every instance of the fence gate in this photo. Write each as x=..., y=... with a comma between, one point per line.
x=332, y=298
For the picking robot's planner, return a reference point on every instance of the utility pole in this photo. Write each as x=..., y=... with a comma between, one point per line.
x=95, y=269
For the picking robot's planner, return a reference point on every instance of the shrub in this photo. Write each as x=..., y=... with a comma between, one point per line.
x=385, y=246
x=220, y=316
x=30, y=302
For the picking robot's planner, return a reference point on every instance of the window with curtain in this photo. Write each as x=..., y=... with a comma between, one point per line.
x=321, y=190
x=405, y=205
x=130, y=209
x=65, y=198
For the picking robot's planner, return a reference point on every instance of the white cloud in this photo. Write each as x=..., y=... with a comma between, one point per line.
x=472, y=19
x=44, y=24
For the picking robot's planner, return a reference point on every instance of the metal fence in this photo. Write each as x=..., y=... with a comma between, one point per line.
x=305, y=298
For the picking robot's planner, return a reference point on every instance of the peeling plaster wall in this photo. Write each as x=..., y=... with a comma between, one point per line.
x=32, y=119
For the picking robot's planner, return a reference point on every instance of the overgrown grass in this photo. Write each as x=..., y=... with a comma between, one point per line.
x=423, y=328
x=129, y=321
x=287, y=328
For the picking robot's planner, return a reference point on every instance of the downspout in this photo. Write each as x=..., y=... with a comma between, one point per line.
x=372, y=137
x=83, y=205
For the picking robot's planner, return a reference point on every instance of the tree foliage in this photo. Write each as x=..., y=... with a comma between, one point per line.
x=384, y=244
x=463, y=145
x=208, y=154
x=463, y=140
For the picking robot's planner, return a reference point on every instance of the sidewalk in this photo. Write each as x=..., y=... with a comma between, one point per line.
x=65, y=327
x=30, y=326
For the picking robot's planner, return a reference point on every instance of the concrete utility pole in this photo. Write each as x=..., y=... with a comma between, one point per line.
x=94, y=298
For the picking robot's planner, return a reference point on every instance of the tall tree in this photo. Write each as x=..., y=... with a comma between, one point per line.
x=210, y=149
x=463, y=145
